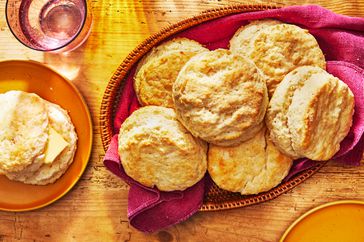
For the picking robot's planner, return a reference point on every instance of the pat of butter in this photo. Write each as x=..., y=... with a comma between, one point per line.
x=56, y=144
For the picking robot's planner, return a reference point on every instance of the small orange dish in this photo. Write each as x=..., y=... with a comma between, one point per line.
x=36, y=78
x=333, y=222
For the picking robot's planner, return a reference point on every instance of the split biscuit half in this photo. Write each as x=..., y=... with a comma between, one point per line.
x=23, y=130
x=45, y=174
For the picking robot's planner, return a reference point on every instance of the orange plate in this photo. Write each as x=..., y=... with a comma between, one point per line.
x=34, y=77
x=335, y=222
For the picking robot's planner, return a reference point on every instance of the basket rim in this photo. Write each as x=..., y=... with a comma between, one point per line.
x=116, y=81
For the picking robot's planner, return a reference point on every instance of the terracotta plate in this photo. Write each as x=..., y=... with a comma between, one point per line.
x=36, y=78
x=334, y=221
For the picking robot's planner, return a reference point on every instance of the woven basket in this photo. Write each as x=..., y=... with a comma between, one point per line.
x=216, y=198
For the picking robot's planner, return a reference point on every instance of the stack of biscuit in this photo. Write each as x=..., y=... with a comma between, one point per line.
x=37, y=139
x=259, y=105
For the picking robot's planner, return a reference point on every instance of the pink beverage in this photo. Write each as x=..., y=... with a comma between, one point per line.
x=57, y=25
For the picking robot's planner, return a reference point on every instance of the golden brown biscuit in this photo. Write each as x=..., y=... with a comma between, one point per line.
x=280, y=48
x=245, y=34
x=157, y=71
x=156, y=150
x=60, y=121
x=310, y=113
x=23, y=130
x=276, y=117
x=220, y=97
x=253, y=166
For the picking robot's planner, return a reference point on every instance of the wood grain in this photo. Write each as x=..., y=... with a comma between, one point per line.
x=95, y=210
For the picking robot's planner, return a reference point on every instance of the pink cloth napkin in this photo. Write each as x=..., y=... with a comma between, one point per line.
x=342, y=41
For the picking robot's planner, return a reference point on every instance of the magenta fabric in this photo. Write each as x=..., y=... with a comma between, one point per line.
x=342, y=41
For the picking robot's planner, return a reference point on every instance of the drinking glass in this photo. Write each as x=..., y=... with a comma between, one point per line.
x=55, y=25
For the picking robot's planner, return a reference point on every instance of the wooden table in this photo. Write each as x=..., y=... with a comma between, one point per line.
x=95, y=210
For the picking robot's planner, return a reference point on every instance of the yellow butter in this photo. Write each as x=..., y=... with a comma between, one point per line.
x=56, y=144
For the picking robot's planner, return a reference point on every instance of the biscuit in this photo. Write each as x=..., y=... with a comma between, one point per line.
x=220, y=97
x=276, y=117
x=253, y=166
x=156, y=150
x=157, y=71
x=245, y=34
x=60, y=121
x=310, y=113
x=23, y=130
x=280, y=48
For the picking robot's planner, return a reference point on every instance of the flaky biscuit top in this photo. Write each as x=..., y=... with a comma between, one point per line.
x=23, y=130
x=156, y=150
x=158, y=70
x=220, y=97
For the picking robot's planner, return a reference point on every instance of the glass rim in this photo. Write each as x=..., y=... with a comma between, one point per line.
x=54, y=49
